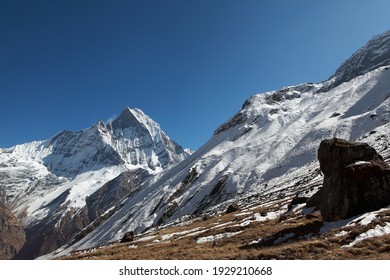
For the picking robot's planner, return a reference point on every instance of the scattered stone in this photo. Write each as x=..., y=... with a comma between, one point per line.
x=234, y=207
x=127, y=237
x=373, y=115
x=335, y=114
x=295, y=201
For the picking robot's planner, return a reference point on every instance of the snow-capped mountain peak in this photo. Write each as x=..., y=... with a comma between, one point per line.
x=141, y=142
x=136, y=120
x=374, y=54
x=46, y=181
x=125, y=120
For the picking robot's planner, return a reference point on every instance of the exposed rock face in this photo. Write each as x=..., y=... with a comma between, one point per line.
x=12, y=235
x=111, y=193
x=374, y=54
x=356, y=179
x=47, y=236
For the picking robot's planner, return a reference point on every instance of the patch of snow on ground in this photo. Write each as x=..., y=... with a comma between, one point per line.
x=342, y=233
x=298, y=207
x=257, y=217
x=185, y=232
x=375, y=232
x=212, y=238
x=368, y=219
x=242, y=214
x=146, y=238
x=255, y=241
x=221, y=225
x=194, y=233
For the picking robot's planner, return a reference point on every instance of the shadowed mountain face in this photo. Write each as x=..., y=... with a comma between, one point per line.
x=127, y=120
x=12, y=235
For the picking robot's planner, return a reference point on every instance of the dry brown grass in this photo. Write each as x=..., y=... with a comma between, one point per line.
x=307, y=242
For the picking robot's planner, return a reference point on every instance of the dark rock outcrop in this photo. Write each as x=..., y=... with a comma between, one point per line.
x=12, y=235
x=48, y=235
x=238, y=119
x=356, y=179
x=111, y=193
x=127, y=237
x=295, y=201
x=234, y=207
x=57, y=230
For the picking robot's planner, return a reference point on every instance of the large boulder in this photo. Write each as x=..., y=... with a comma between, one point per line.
x=356, y=179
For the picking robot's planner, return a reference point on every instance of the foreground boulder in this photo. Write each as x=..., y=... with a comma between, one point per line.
x=356, y=179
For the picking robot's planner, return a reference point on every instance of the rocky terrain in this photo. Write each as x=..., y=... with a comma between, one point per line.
x=12, y=236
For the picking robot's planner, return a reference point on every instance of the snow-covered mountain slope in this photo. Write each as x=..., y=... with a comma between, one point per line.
x=45, y=181
x=374, y=54
x=276, y=134
x=264, y=220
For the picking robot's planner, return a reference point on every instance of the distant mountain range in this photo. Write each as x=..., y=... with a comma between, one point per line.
x=55, y=187
x=86, y=189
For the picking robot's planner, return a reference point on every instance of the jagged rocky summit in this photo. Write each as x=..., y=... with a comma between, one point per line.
x=375, y=54
x=59, y=187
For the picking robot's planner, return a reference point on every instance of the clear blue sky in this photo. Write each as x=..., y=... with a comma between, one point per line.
x=190, y=65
